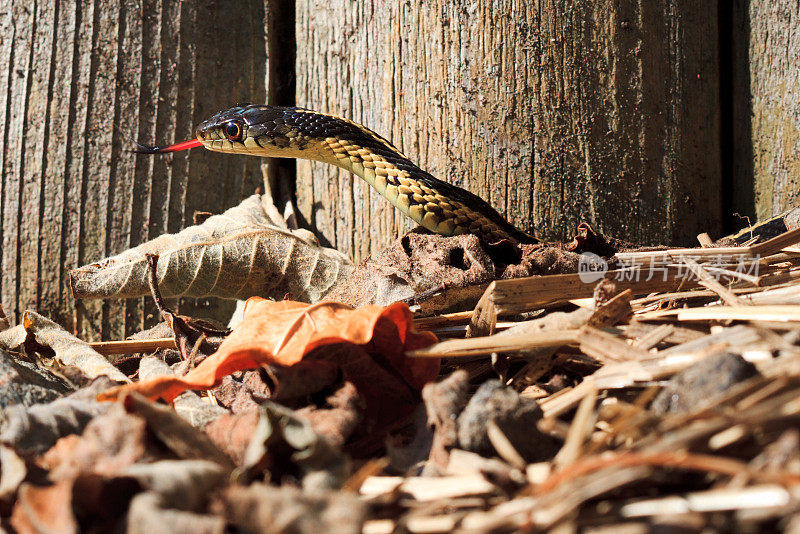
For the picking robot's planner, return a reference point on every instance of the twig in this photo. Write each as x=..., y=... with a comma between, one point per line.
x=486, y=345
x=134, y=346
x=711, y=283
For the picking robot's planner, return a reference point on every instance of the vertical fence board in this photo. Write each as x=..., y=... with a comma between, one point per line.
x=766, y=40
x=20, y=43
x=80, y=78
x=555, y=112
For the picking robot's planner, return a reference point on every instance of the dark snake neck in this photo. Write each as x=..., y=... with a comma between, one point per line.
x=300, y=133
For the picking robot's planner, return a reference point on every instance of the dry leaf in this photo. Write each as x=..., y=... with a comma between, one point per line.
x=180, y=437
x=69, y=350
x=25, y=383
x=12, y=472
x=263, y=509
x=368, y=344
x=37, y=428
x=188, y=405
x=146, y=515
x=232, y=432
x=44, y=509
x=182, y=484
x=110, y=443
x=238, y=254
x=338, y=418
x=285, y=445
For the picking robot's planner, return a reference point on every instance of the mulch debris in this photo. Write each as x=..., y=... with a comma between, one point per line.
x=445, y=386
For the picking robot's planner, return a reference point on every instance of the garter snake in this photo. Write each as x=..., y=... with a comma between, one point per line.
x=290, y=132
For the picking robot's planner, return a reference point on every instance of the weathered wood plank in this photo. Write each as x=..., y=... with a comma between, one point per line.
x=52, y=299
x=35, y=143
x=766, y=150
x=555, y=112
x=78, y=79
x=18, y=74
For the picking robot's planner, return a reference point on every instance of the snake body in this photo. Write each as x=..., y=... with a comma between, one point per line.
x=290, y=132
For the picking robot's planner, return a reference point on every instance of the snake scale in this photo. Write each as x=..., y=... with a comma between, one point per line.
x=291, y=132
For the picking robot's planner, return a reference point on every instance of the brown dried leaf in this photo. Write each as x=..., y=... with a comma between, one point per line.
x=232, y=432
x=25, y=383
x=110, y=443
x=338, y=418
x=183, y=484
x=238, y=254
x=44, y=509
x=285, y=444
x=12, y=472
x=37, y=428
x=68, y=349
x=188, y=405
x=184, y=440
x=146, y=515
x=263, y=509
x=367, y=344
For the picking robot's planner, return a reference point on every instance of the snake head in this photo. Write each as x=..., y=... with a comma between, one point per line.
x=226, y=130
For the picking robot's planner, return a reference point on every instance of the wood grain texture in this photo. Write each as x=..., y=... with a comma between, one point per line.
x=766, y=40
x=554, y=112
x=79, y=79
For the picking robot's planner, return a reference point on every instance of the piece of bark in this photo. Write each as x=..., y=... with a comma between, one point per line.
x=455, y=269
x=416, y=263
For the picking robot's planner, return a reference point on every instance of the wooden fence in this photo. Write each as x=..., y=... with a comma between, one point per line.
x=654, y=121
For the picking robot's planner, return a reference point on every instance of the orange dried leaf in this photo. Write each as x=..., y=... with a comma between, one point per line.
x=370, y=345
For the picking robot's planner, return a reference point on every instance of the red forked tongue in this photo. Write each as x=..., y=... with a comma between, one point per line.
x=185, y=145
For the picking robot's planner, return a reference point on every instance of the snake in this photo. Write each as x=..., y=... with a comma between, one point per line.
x=295, y=132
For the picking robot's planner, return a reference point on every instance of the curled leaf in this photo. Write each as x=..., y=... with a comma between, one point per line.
x=68, y=349
x=281, y=435
x=188, y=405
x=44, y=509
x=37, y=428
x=259, y=508
x=368, y=344
x=26, y=383
x=237, y=254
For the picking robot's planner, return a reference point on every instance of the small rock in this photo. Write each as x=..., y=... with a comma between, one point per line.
x=701, y=382
x=514, y=415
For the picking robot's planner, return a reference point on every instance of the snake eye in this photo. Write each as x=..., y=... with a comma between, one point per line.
x=233, y=131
